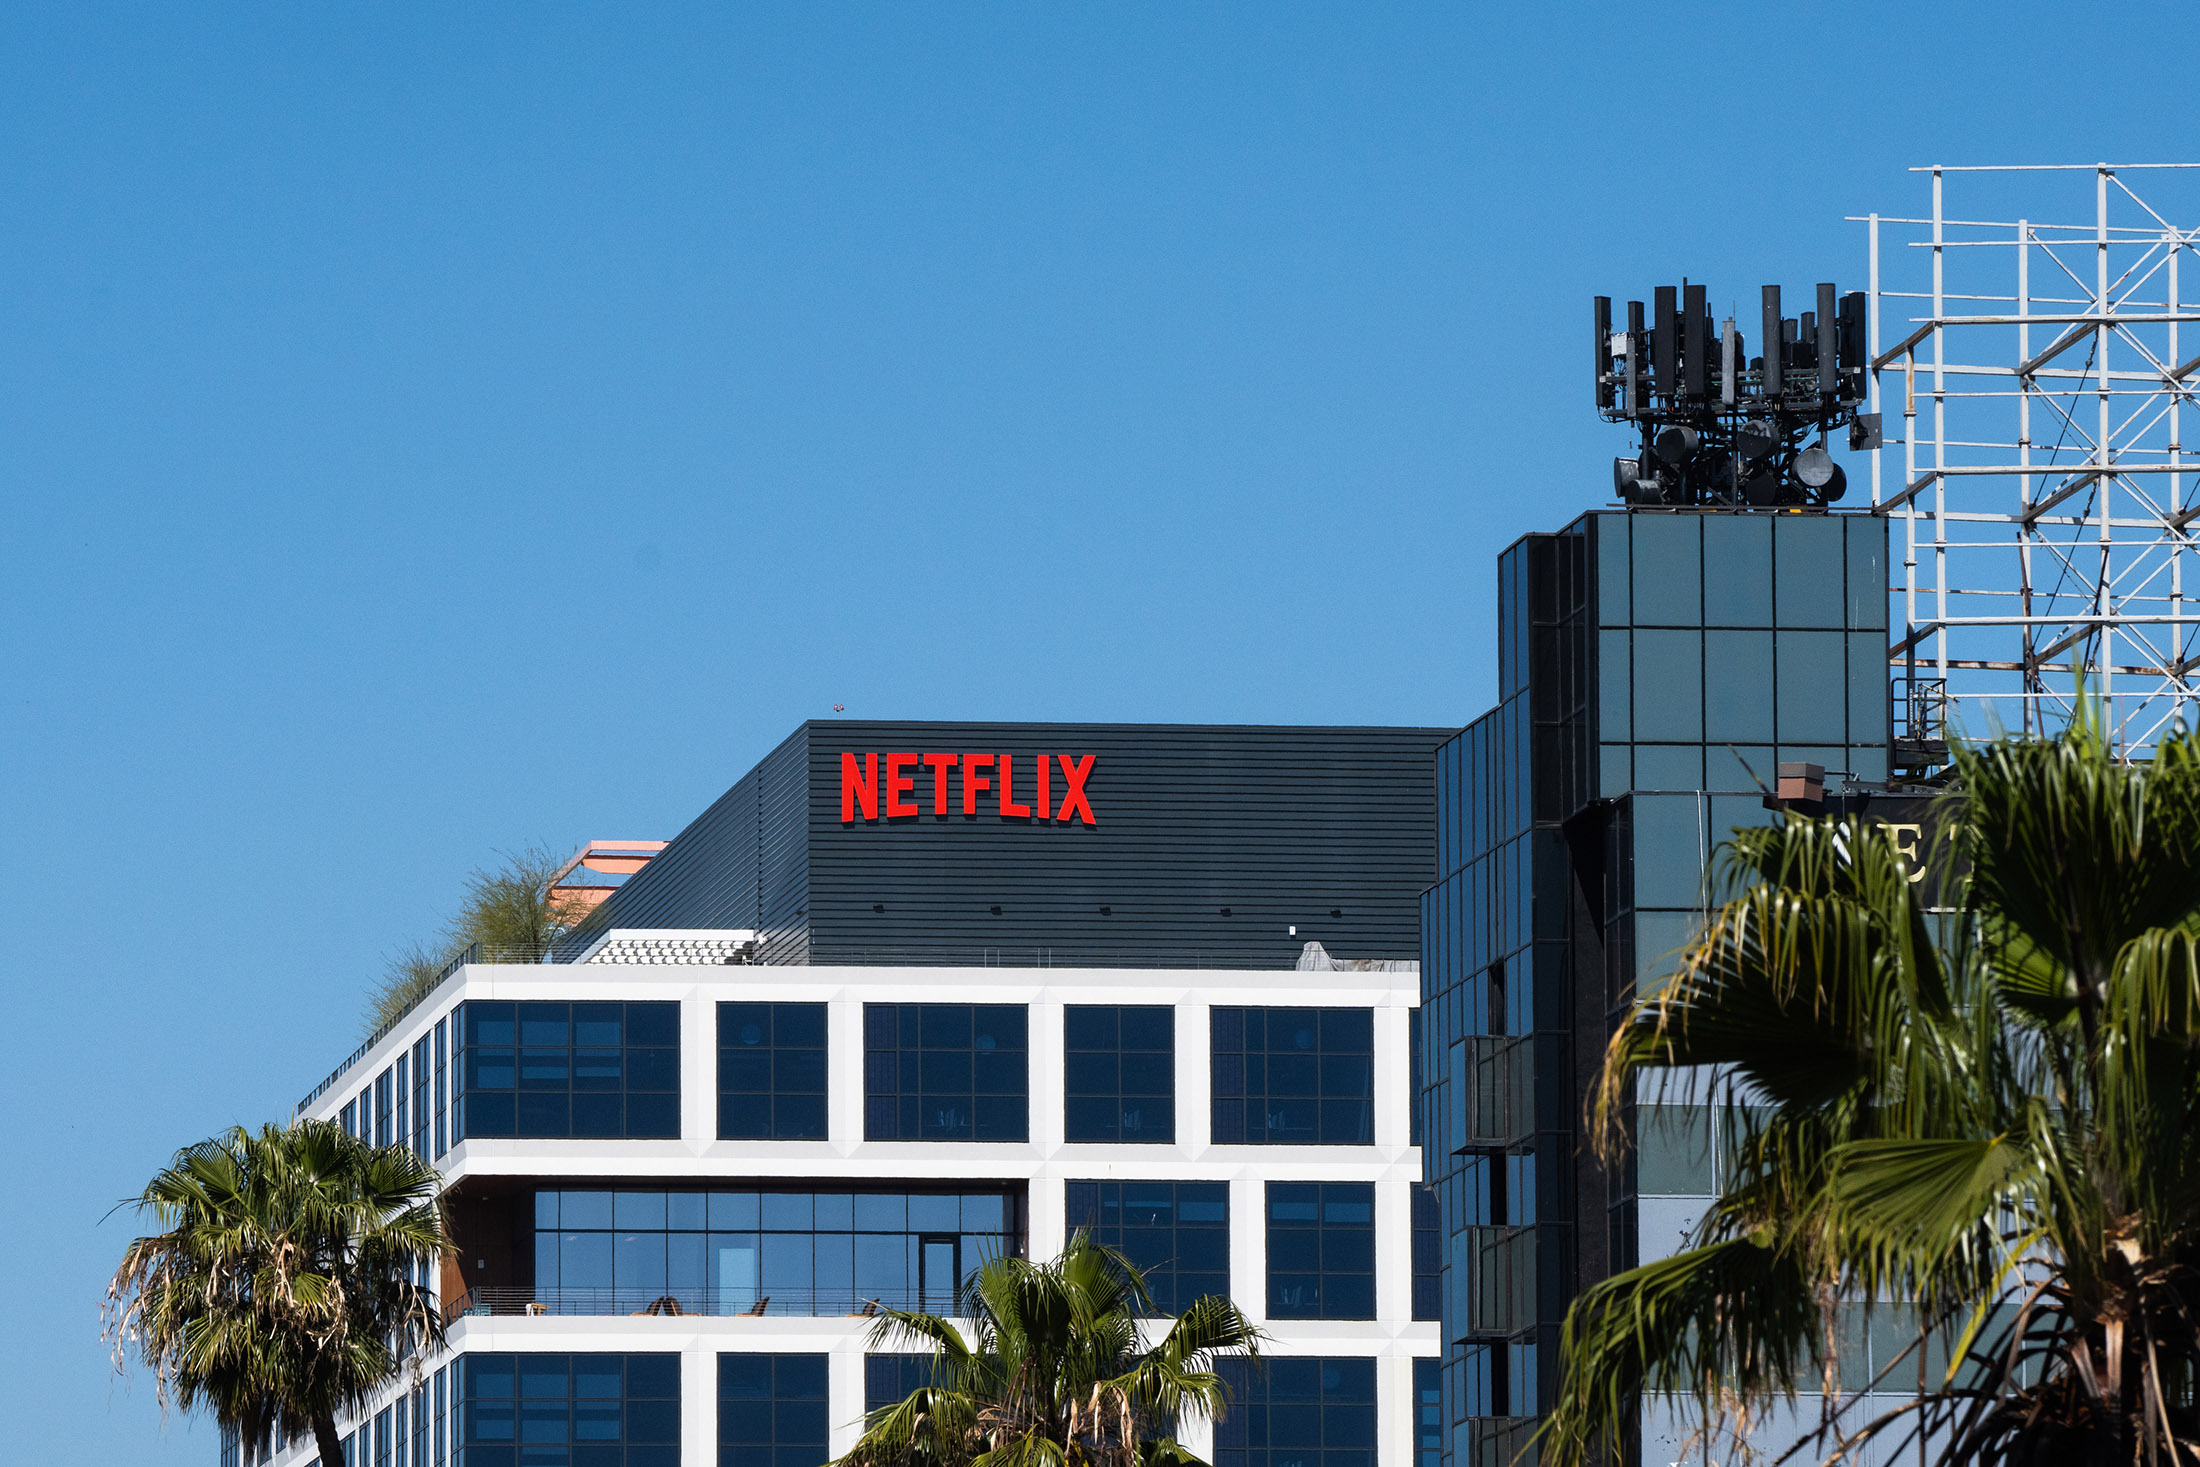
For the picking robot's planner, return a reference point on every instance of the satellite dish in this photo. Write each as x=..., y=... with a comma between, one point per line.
x=1815, y=468
x=1761, y=489
x=1756, y=440
x=1676, y=444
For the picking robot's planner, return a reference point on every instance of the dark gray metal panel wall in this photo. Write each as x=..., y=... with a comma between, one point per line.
x=1281, y=826
x=782, y=850
x=711, y=875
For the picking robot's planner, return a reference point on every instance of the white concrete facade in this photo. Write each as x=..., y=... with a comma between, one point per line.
x=1042, y=1165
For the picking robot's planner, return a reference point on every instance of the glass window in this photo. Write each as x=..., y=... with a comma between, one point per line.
x=1176, y=1233
x=422, y=1083
x=944, y=1072
x=1871, y=696
x=1119, y=1081
x=1669, y=687
x=568, y=1070
x=1737, y=570
x=1812, y=688
x=1611, y=553
x=750, y=1252
x=442, y=1093
x=1807, y=575
x=1669, y=766
x=612, y=1410
x=771, y=1071
x=1737, y=687
x=1428, y=1413
x=888, y=1380
x=1292, y=1076
x=1669, y=841
x=1668, y=574
x=385, y=1093
x=1321, y=1250
x=1428, y=1254
x=1748, y=767
x=1294, y=1411
x=1615, y=771
x=1869, y=762
x=1659, y=939
x=1673, y=1155
x=1867, y=589
x=773, y=1411
x=1615, y=716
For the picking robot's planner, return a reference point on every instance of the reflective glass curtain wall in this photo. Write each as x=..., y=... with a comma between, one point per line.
x=1654, y=667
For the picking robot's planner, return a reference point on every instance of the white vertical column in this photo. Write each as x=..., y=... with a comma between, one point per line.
x=844, y=1384
x=1194, y=1078
x=1249, y=1247
x=698, y=1070
x=698, y=1404
x=844, y=1074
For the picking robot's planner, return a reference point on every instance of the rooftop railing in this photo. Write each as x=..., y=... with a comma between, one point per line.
x=526, y=1300
x=473, y=952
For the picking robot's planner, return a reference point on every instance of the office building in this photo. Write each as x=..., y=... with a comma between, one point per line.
x=1656, y=666
x=907, y=997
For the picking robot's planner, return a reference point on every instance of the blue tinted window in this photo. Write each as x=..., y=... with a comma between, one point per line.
x=1293, y=1076
x=1737, y=571
x=1737, y=687
x=1176, y=1233
x=1668, y=578
x=1813, y=688
x=1119, y=1080
x=1669, y=766
x=1871, y=697
x=1321, y=1250
x=1428, y=1413
x=1867, y=581
x=1611, y=553
x=1428, y=1254
x=888, y=1380
x=554, y=1410
x=945, y=1072
x=1615, y=718
x=1669, y=686
x=1809, y=560
x=773, y=1411
x=1296, y=1411
x=749, y=1252
x=771, y=1071
x=577, y=1070
x=1669, y=844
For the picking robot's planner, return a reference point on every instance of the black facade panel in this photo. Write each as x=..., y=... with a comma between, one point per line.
x=1206, y=847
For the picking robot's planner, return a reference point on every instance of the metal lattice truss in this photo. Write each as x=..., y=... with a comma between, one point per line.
x=2033, y=381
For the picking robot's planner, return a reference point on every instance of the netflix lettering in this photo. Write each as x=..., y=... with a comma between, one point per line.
x=1012, y=786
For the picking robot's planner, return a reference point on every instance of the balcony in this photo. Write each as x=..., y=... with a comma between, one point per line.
x=1500, y=1441
x=1503, y=1264
x=1500, y=1090
x=525, y=1300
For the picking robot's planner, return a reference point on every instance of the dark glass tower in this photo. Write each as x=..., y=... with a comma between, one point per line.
x=1655, y=666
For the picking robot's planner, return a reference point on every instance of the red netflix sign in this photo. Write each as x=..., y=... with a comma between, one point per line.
x=868, y=790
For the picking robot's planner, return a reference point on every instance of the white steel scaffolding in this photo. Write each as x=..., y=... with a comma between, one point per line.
x=2032, y=380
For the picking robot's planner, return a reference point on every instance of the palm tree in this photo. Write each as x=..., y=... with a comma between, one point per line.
x=284, y=1287
x=1054, y=1375
x=1983, y=1110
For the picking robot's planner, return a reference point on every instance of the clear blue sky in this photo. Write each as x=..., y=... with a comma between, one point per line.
x=424, y=432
